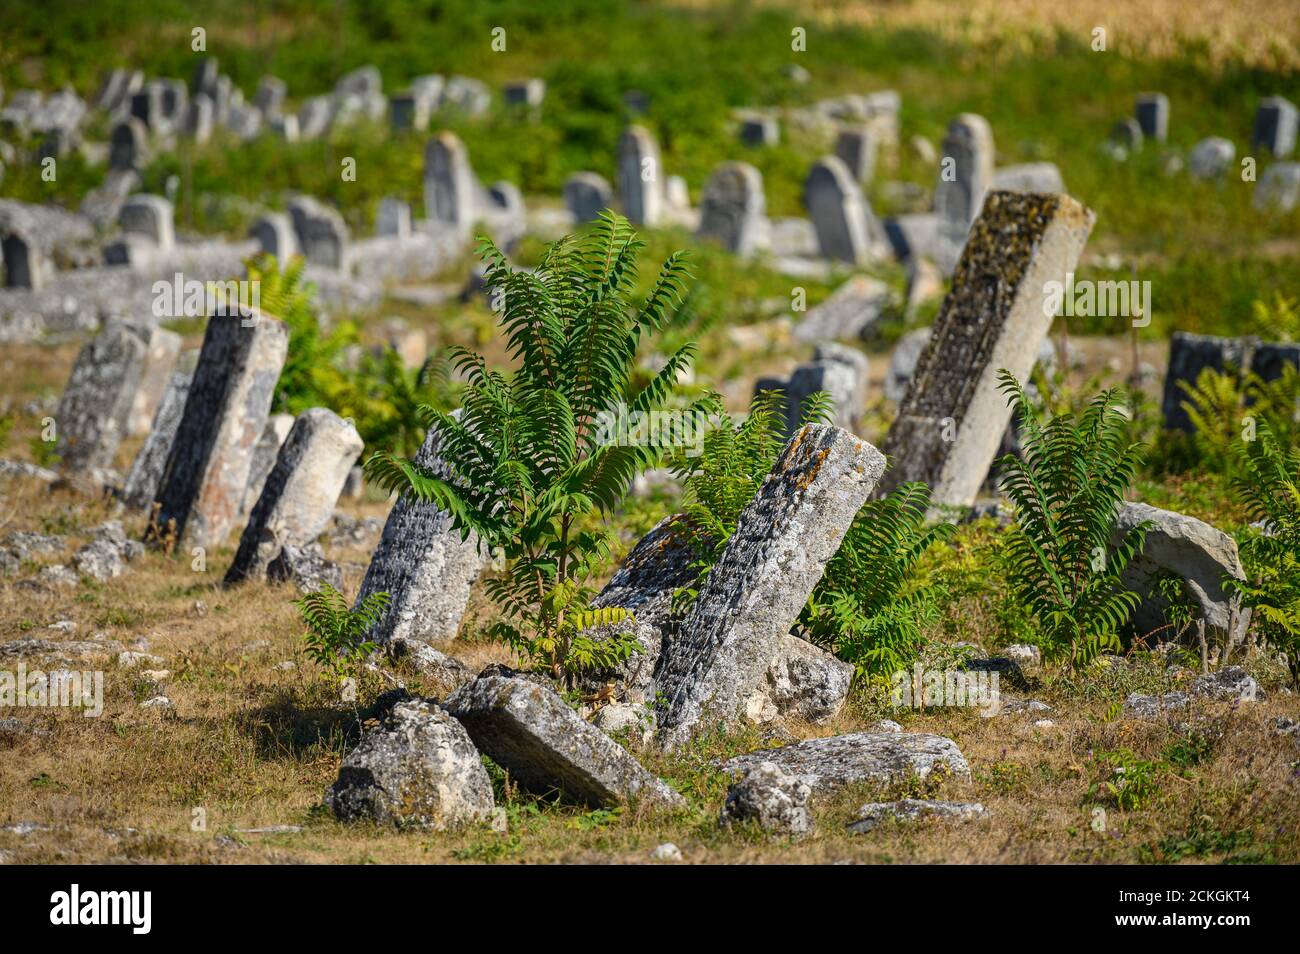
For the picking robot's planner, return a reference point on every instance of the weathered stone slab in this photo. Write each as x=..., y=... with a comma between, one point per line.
x=873, y=814
x=640, y=177
x=321, y=233
x=850, y=314
x=95, y=409
x=529, y=92
x=201, y=118
x=839, y=371
x=24, y=261
x=151, y=218
x=142, y=482
x=162, y=347
x=1152, y=113
x=965, y=176
x=265, y=453
x=418, y=769
x=717, y=668
x=546, y=747
x=409, y=112
x=586, y=195
x=274, y=233
x=856, y=148
x=393, y=218
x=298, y=499
x=1275, y=126
x=831, y=763
x=126, y=148
x=759, y=130
x=1190, y=354
x=847, y=231
x=733, y=209
x=207, y=469
x=1211, y=158
x=423, y=565
x=996, y=316
x=1279, y=187
x=1201, y=554
x=771, y=799
x=450, y=187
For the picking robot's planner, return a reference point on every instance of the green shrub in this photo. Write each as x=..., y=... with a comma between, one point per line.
x=336, y=637
x=1066, y=488
x=531, y=466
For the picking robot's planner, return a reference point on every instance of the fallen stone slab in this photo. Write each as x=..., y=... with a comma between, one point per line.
x=766, y=795
x=806, y=682
x=850, y=314
x=60, y=649
x=546, y=747
x=830, y=763
x=913, y=809
x=717, y=668
x=419, y=769
x=1230, y=684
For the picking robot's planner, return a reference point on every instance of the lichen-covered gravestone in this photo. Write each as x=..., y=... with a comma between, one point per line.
x=264, y=454
x=203, y=483
x=640, y=177
x=996, y=316
x=733, y=209
x=142, y=481
x=95, y=409
x=449, y=183
x=717, y=668
x=299, y=496
x=423, y=565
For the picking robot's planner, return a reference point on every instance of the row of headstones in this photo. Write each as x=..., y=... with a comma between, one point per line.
x=1277, y=121
x=213, y=456
x=56, y=119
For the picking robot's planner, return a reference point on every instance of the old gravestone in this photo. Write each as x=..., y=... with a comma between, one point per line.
x=408, y=112
x=95, y=409
x=1152, y=113
x=640, y=177
x=733, y=210
x=1190, y=354
x=127, y=144
x=449, y=184
x=1275, y=126
x=162, y=347
x=586, y=195
x=200, y=118
x=759, y=129
x=856, y=148
x=298, y=499
x=839, y=371
x=275, y=236
x=142, y=481
x=320, y=232
x=203, y=483
x=965, y=176
x=847, y=231
x=996, y=316
x=150, y=217
x=850, y=314
x=717, y=667
x=24, y=260
x=423, y=565
x=265, y=452
x=1278, y=188
x=393, y=218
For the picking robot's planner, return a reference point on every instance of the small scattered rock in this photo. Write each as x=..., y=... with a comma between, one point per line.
x=446, y=672
x=666, y=852
x=157, y=702
x=913, y=809
x=1151, y=707
x=63, y=626
x=306, y=568
x=777, y=801
x=637, y=721
x=133, y=660
x=1230, y=684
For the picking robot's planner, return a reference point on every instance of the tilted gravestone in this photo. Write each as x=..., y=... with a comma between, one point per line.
x=314, y=117
x=265, y=453
x=716, y=670
x=126, y=145
x=423, y=565
x=200, y=118
x=996, y=316
x=847, y=231
x=298, y=500
x=275, y=236
x=856, y=148
x=449, y=183
x=1190, y=354
x=965, y=176
x=1152, y=113
x=142, y=481
x=320, y=232
x=203, y=483
x=162, y=348
x=850, y=314
x=95, y=409
x=1275, y=126
x=733, y=209
x=206, y=72
x=640, y=177
x=25, y=263
x=586, y=195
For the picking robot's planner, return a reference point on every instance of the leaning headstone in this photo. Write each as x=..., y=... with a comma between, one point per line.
x=126, y=144
x=586, y=195
x=1152, y=113
x=275, y=236
x=265, y=452
x=203, y=483
x=95, y=409
x=149, y=217
x=298, y=499
x=1275, y=126
x=856, y=148
x=142, y=481
x=423, y=565
x=717, y=668
x=1190, y=354
x=640, y=177
x=733, y=209
x=162, y=349
x=200, y=118
x=965, y=176
x=850, y=314
x=393, y=218
x=847, y=231
x=531, y=732
x=206, y=72
x=1210, y=158
x=996, y=316
x=25, y=263
x=449, y=183
x=1279, y=187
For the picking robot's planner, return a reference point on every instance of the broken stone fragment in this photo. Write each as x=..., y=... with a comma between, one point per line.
x=446, y=672
x=829, y=763
x=913, y=809
x=419, y=769
x=306, y=568
x=768, y=796
x=546, y=747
